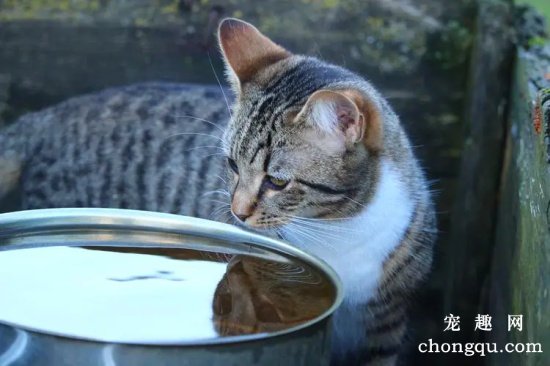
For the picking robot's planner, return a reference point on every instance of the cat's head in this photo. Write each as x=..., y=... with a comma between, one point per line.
x=305, y=136
x=258, y=296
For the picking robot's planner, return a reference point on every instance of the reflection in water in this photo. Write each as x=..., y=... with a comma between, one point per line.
x=257, y=296
x=159, y=275
x=155, y=295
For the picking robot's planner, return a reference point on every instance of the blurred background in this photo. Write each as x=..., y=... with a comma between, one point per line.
x=445, y=66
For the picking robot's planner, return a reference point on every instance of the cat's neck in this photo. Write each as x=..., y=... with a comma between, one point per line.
x=357, y=247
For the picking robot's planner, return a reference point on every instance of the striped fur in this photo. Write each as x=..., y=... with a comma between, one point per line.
x=364, y=207
x=138, y=147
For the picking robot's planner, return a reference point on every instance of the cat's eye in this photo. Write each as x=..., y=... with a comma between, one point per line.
x=233, y=165
x=276, y=183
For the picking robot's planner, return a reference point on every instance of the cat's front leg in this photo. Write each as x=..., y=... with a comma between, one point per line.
x=385, y=330
x=403, y=271
x=370, y=333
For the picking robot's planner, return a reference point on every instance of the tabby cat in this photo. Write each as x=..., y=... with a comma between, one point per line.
x=261, y=296
x=312, y=153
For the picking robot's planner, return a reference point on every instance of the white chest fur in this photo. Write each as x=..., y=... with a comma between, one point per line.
x=356, y=248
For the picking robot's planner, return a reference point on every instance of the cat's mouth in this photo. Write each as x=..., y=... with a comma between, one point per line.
x=264, y=230
x=262, y=226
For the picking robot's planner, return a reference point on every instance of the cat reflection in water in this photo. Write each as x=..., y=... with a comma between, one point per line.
x=260, y=296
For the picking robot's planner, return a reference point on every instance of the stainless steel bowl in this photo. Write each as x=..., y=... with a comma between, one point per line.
x=303, y=342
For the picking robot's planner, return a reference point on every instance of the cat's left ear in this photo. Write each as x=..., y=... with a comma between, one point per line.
x=246, y=51
x=342, y=119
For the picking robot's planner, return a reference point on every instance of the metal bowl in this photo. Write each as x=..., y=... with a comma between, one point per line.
x=278, y=331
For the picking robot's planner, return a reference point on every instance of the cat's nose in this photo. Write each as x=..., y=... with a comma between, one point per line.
x=243, y=201
x=242, y=210
x=243, y=217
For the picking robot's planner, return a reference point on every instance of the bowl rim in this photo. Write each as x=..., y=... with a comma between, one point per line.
x=43, y=221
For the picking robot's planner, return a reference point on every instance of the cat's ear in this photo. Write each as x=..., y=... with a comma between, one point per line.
x=246, y=51
x=343, y=119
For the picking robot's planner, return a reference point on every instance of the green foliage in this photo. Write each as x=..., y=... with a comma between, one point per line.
x=541, y=5
x=37, y=9
x=138, y=12
x=537, y=41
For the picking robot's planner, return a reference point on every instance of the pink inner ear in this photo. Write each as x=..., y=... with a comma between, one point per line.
x=345, y=119
x=333, y=112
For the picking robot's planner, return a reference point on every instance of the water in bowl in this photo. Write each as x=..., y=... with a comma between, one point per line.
x=156, y=295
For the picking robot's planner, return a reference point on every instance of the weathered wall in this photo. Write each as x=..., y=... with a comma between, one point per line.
x=520, y=279
x=474, y=212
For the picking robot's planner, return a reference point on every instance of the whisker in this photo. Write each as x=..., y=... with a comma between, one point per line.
x=220, y=85
x=196, y=134
x=308, y=233
x=315, y=240
x=298, y=231
x=320, y=219
x=204, y=147
x=354, y=201
x=218, y=191
x=218, y=201
x=223, y=210
x=200, y=119
x=322, y=224
x=222, y=205
x=217, y=154
x=324, y=230
x=220, y=178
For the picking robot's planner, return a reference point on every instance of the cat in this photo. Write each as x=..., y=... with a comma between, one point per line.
x=311, y=152
x=260, y=296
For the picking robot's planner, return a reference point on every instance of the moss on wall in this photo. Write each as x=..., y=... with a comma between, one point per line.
x=394, y=34
x=520, y=280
